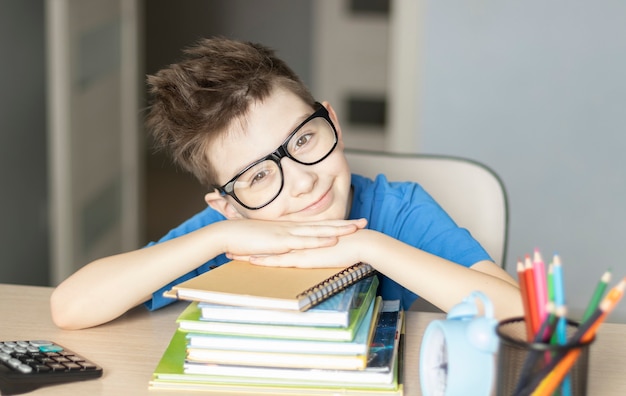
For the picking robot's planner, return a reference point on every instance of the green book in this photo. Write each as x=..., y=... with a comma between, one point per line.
x=226, y=343
x=189, y=320
x=336, y=311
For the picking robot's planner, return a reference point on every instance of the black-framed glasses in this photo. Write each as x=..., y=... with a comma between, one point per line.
x=263, y=180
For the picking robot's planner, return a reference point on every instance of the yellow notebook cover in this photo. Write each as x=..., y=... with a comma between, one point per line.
x=243, y=284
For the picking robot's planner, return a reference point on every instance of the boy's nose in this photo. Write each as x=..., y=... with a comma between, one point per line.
x=299, y=179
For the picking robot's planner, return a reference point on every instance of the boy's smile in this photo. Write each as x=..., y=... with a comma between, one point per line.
x=310, y=192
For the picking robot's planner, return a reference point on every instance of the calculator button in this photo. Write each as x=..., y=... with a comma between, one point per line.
x=41, y=368
x=73, y=366
x=50, y=348
x=56, y=366
x=13, y=362
x=24, y=368
x=88, y=366
x=38, y=343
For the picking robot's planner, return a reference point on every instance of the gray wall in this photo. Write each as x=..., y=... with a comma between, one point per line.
x=537, y=90
x=23, y=191
x=284, y=25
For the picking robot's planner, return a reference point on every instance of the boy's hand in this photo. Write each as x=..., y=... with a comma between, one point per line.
x=246, y=238
x=343, y=253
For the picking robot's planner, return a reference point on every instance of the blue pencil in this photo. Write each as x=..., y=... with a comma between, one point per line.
x=561, y=326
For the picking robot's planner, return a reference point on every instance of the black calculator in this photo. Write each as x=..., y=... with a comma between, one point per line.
x=28, y=365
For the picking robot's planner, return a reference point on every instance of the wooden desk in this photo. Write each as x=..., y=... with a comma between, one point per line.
x=130, y=347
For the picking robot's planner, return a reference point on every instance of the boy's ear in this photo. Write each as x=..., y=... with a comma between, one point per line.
x=216, y=201
x=334, y=119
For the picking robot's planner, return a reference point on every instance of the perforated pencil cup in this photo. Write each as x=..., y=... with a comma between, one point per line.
x=524, y=368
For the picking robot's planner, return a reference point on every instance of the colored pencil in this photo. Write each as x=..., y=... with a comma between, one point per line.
x=524, y=294
x=539, y=276
x=605, y=307
x=532, y=297
x=557, y=281
x=561, y=326
x=552, y=375
x=550, y=281
x=559, y=297
x=597, y=295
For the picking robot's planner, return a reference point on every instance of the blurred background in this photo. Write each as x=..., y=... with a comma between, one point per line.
x=535, y=90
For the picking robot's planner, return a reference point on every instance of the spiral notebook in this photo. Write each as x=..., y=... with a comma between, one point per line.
x=243, y=284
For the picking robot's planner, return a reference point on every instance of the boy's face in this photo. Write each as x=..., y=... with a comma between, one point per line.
x=310, y=192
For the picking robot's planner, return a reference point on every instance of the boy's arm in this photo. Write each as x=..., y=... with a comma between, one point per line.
x=106, y=288
x=441, y=282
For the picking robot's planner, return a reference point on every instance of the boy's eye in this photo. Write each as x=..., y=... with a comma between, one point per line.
x=259, y=176
x=303, y=140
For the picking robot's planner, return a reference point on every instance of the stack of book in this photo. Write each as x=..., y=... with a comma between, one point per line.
x=348, y=342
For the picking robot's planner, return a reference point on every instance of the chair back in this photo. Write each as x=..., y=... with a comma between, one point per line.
x=470, y=192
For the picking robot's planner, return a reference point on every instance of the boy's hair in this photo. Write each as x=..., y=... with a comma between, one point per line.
x=195, y=100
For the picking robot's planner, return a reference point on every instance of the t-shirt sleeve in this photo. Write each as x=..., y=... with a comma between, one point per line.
x=408, y=213
x=405, y=211
x=438, y=234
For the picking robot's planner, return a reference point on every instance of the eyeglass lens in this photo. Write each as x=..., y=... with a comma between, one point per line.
x=261, y=183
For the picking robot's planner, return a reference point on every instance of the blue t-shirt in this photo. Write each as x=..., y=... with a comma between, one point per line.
x=402, y=210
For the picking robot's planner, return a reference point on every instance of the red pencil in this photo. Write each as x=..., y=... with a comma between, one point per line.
x=521, y=278
x=533, y=307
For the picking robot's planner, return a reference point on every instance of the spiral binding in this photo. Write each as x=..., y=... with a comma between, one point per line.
x=335, y=284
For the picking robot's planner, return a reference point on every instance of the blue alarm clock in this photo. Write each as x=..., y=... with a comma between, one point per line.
x=457, y=356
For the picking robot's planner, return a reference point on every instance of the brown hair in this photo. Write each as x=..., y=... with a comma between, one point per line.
x=195, y=100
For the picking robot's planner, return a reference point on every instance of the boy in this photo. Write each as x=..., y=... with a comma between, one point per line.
x=280, y=193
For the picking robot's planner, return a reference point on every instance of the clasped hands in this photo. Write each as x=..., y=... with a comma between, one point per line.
x=295, y=244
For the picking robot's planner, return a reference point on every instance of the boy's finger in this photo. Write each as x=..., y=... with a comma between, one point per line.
x=338, y=223
x=324, y=230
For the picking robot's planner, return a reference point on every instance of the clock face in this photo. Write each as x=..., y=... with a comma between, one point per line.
x=457, y=354
x=434, y=363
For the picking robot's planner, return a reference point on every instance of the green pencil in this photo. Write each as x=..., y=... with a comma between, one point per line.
x=550, y=282
x=597, y=295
